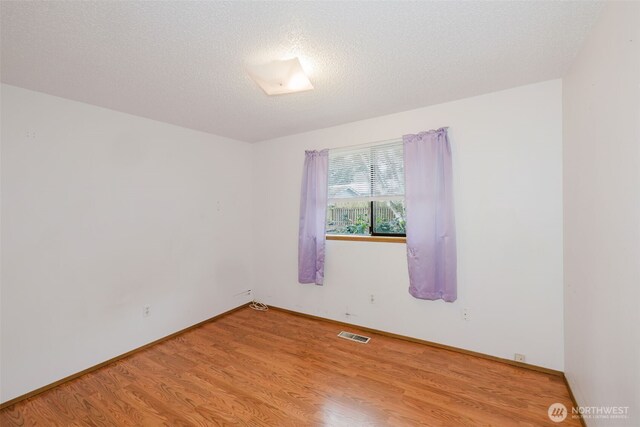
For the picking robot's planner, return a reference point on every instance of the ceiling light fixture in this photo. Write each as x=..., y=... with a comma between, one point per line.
x=280, y=77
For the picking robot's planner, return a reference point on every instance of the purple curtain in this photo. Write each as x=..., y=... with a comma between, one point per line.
x=313, y=212
x=431, y=237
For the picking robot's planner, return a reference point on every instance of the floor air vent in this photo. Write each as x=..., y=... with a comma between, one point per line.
x=354, y=337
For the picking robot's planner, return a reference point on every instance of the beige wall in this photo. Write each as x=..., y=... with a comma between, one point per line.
x=507, y=160
x=103, y=213
x=601, y=105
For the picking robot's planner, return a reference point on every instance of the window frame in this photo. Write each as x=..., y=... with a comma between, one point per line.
x=373, y=234
x=366, y=238
x=372, y=227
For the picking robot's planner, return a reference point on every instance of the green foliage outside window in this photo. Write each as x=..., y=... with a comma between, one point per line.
x=355, y=218
x=359, y=226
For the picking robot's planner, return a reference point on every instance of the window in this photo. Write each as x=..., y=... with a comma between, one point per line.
x=366, y=191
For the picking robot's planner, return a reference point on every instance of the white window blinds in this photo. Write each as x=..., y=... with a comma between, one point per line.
x=367, y=173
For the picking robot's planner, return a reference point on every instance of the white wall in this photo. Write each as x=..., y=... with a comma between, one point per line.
x=102, y=213
x=508, y=193
x=601, y=106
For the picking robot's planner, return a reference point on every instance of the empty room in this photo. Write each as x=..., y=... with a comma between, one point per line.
x=320, y=213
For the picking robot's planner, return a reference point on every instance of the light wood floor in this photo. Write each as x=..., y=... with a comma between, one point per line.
x=278, y=369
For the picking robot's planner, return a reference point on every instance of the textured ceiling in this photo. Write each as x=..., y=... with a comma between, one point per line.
x=183, y=62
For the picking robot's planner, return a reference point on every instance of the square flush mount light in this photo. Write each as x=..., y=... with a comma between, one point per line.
x=280, y=77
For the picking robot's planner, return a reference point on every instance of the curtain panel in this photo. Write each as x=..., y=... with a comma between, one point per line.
x=313, y=212
x=431, y=237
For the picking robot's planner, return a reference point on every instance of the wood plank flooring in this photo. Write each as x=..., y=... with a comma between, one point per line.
x=278, y=369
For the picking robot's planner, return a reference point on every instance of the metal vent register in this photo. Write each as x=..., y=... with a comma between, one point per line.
x=354, y=337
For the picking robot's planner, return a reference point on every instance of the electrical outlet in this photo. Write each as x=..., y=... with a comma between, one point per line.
x=518, y=357
x=372, y=300
x=466, y=315
x=146, y=311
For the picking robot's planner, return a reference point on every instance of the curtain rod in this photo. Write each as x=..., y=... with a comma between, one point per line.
x=381, y=142
x=363, y=145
